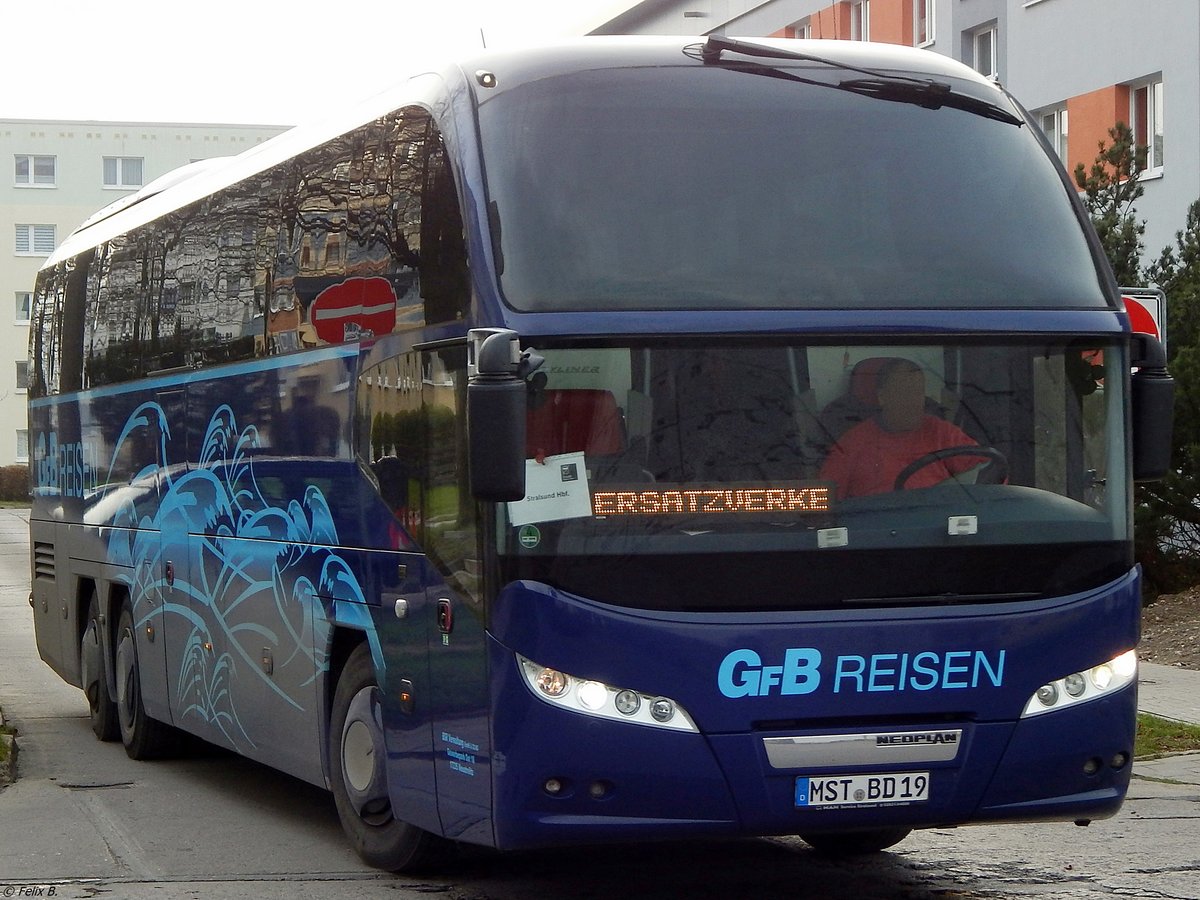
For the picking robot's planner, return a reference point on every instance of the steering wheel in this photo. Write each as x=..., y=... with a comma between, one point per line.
x=995, y=472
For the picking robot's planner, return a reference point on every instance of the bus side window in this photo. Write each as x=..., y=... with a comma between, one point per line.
x=450, y=514
x=443, y=265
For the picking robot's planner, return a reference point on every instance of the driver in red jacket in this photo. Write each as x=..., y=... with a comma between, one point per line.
x=869, y=456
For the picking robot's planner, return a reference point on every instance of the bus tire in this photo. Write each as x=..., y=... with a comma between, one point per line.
x=143, y=737
x=102, y=709
x=358, y=775
x=856, y=843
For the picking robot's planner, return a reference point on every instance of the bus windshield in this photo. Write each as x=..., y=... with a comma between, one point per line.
x=690, y=187
x=802, y=476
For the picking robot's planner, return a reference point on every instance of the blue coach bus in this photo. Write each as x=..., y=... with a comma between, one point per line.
x=499, y=456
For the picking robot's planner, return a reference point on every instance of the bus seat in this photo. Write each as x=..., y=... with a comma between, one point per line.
x=570, y=421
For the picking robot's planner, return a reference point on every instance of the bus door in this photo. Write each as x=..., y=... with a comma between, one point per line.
x=404, y=625
x=454, y=592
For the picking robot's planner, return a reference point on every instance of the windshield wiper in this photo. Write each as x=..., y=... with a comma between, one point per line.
x=940, y=599
x=928, y=93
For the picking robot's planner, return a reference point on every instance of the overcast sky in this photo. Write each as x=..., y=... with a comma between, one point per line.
x=244, y=61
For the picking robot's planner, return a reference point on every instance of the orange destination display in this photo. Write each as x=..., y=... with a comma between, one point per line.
x=671, y=500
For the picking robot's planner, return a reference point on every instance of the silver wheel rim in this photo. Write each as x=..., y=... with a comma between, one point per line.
x=364, y=758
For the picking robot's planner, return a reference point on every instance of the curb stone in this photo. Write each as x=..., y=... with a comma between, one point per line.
x=8, y=766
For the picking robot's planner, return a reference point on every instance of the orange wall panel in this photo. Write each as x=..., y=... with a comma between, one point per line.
x=892, y=21
x=1089, y=116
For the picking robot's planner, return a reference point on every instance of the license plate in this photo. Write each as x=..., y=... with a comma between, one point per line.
x=862, y=790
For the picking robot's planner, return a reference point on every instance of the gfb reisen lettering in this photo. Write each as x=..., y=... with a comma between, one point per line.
x=802, y=670
x=68, y=469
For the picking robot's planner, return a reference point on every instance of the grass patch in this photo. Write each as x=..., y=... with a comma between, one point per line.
x=1158, y=737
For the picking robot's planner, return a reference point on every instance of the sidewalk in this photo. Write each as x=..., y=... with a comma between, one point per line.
x=1170, y=693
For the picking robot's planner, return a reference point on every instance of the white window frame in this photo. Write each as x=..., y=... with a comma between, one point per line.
x=802, y=29
x=860, y=20
x=1149, y=132
x=23, y=308
x=31, y=176
x=1059, y=133
x=22, y=375
x=31, y=240
x=990, y=34
x=22, y=447
x=924, y=9
x=121, y=183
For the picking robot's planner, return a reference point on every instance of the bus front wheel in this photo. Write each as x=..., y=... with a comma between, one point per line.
x=358, y=775
x=101, y=709
x=856, y=843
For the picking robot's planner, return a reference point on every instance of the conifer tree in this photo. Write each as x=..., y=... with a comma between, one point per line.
x=1111, y=187
x=1168, y=513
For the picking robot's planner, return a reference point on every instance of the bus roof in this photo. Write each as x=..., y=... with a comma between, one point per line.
x=510, y=68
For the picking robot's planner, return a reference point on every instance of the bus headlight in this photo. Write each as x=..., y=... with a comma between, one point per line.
x=595, y=698
x=1080, y=687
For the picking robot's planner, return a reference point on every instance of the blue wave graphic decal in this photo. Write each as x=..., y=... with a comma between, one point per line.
x=254, y=571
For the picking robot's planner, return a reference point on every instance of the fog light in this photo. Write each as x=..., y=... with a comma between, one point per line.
x=598, y=790
x=592, y=695
x=1091, y=767
x=662, y=709
x=1047, y=694
x=628, y=702
x=1120, y=760
x=552, y=786
x=1075, y=684
x=552, y=683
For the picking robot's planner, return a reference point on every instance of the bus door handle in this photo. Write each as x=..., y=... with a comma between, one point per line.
x=445, y=616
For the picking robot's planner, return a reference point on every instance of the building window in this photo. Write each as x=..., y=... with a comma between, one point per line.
x=35, y=240
x=35, y=171
x=860, y=21
x=22, y=375
x=122, y=171
x=923, y=29
x=22, y=445
x=983, y=52
x=1054, y=124
x=1146, y=114
x=802, y=29
x=24, y=304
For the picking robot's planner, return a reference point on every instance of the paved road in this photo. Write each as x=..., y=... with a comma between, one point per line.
x=85, y=821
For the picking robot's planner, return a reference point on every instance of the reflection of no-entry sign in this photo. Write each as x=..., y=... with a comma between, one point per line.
x=1147, y=309
x=353, y=309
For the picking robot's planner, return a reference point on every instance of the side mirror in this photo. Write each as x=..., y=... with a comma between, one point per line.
x=1152, y=402
x=496, y=401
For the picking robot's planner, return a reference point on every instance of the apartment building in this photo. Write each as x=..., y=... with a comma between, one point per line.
x=60, y=173
x=1079, y=65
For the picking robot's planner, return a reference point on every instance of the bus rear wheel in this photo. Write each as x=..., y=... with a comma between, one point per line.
x=143, y=737
x=358, y=775
x=856, y=843
x=102, y=711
